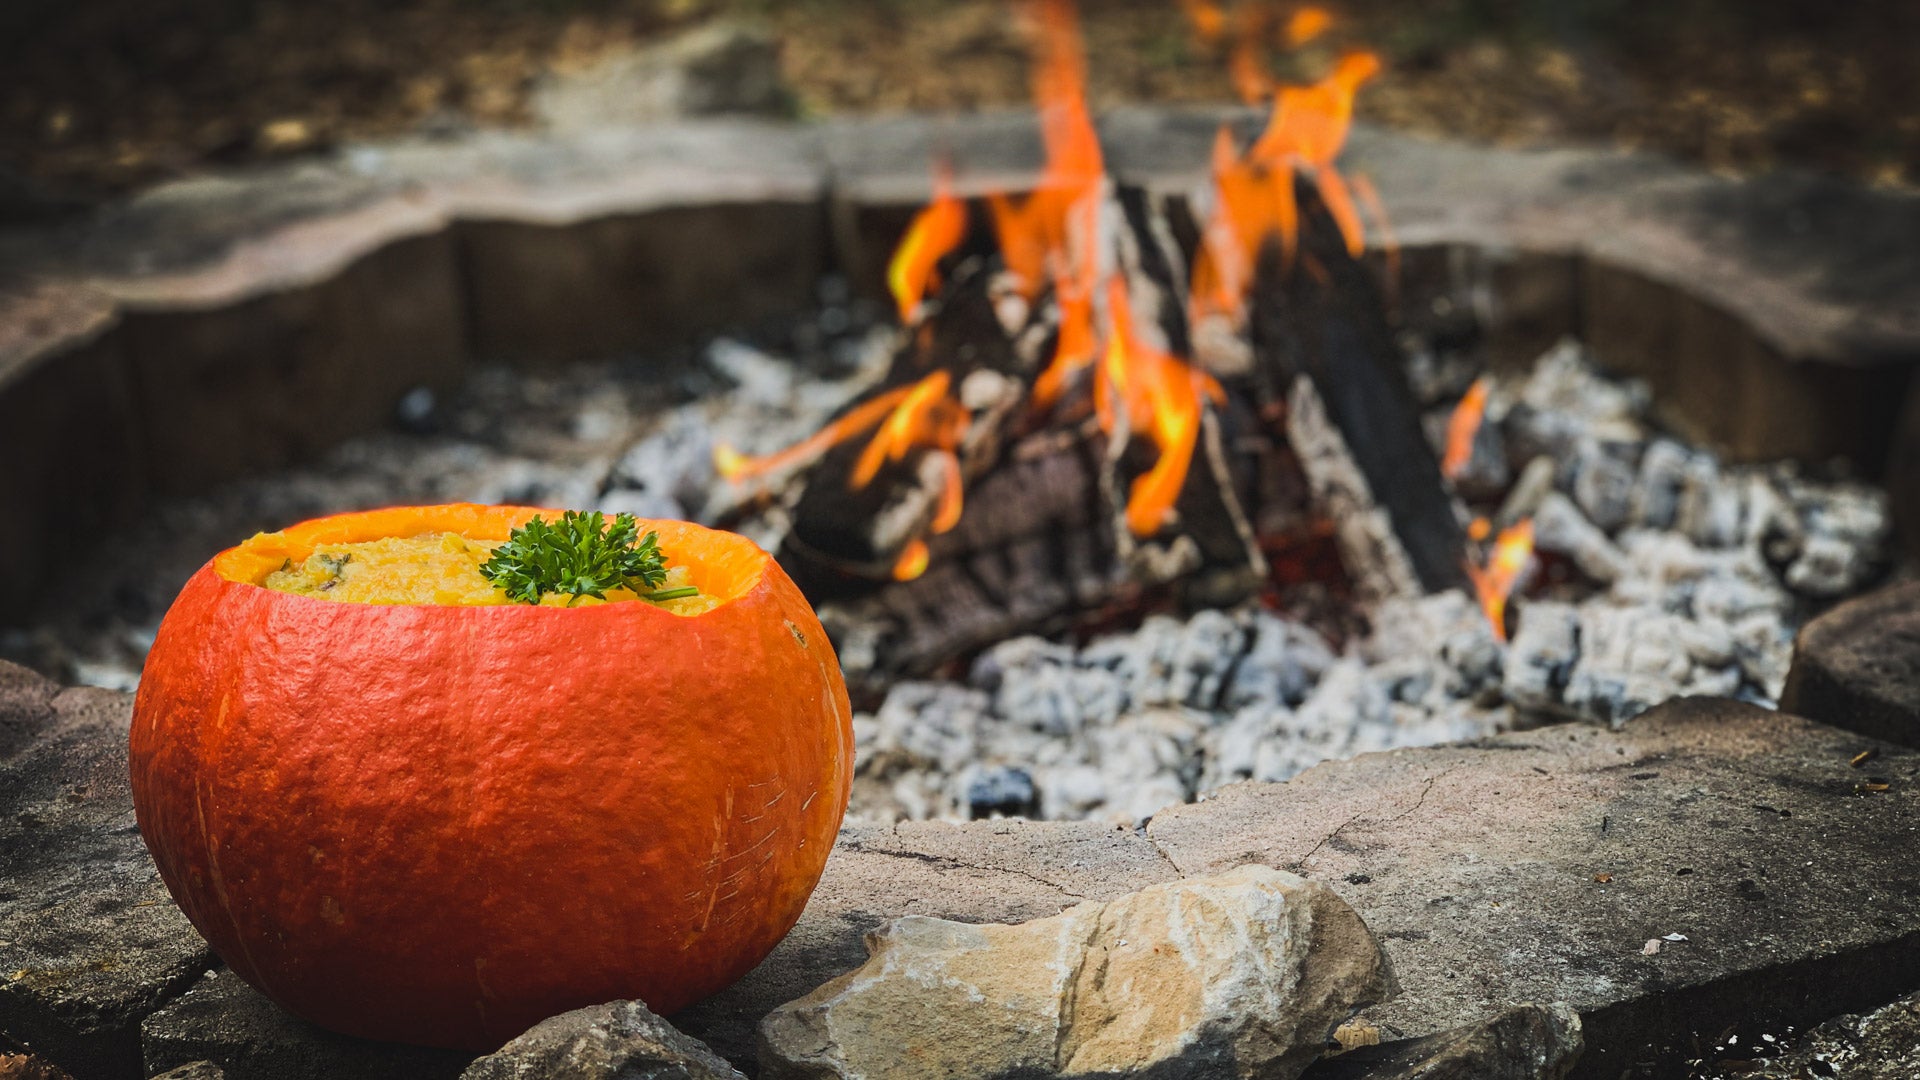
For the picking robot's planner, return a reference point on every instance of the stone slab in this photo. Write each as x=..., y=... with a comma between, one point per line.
x=223, y=1020
x=1553, y=865
x=90, y=941
x=1858, y=666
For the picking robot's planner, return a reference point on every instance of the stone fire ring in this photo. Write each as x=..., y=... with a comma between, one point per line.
x=236, y=322
x=242, y=322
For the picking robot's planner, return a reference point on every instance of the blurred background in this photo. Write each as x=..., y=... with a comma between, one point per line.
x=101, y=96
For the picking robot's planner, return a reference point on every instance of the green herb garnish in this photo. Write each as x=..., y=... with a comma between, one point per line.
x=581, y=555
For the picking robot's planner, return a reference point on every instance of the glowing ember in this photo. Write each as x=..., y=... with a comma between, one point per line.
x=1495, y=582
x=1462, y=427
x=934, y=232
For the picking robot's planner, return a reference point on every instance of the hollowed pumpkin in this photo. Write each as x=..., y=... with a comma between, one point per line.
x=441, y=824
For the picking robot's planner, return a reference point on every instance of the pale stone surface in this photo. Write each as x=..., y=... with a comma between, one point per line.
x=1238, y=975
x=1535, y=866
x=620, y=1040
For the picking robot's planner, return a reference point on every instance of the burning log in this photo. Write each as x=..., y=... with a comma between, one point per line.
x=1323, y=331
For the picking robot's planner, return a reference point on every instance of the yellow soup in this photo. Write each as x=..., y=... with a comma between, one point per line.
x=434, y=568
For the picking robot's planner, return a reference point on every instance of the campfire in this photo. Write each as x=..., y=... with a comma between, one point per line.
x=1165, y=395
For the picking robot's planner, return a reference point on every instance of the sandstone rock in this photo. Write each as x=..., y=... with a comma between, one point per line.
x=1535, y=866
x=1858, y=666
x=620, y=1040
x=1238, y=975
x=1879, y=1045
x=29, y=1067
x=982, y=872
x=225, y=1021
x=89, y=939
x=1527, y=1042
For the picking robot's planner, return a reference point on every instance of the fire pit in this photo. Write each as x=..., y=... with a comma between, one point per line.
x=1123, y=463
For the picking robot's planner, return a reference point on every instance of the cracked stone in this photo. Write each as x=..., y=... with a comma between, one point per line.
x=1532, y=866
x=1858, y=666
x=620, y=1040
x=1241, y=974
x=92, y=941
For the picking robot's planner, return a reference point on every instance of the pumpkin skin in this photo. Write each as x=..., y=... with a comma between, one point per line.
x=441, y=825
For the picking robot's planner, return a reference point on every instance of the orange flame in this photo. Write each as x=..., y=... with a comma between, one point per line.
x=1161, y=400
x=1050, y=243
x=1052, y=237
x=1247, y=30
x=925, y=417
x=736, y=467
x=1254, y=200
x=935, y=231
x=912, y=561
x=1253, y=203
x=1305, y=24
x=1462, y=427
x=1495, y=582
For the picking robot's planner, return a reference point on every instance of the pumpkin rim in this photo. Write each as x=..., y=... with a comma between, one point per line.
x=723, y=565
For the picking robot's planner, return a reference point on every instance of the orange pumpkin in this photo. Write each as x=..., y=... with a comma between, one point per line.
x=441, y=825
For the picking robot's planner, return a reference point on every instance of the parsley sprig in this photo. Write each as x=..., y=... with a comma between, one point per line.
x=580, y=555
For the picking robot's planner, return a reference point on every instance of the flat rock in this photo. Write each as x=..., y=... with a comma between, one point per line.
x=90, y=941
x=1879, y=1045
x=620, y=1040
x=1526, y=1042
x=225, y=1021
x=1238, y=975
x=1710, y=862
x=1858, y=666
x=982, y=872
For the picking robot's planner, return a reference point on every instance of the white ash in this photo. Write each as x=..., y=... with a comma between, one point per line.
x=1127, y=724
